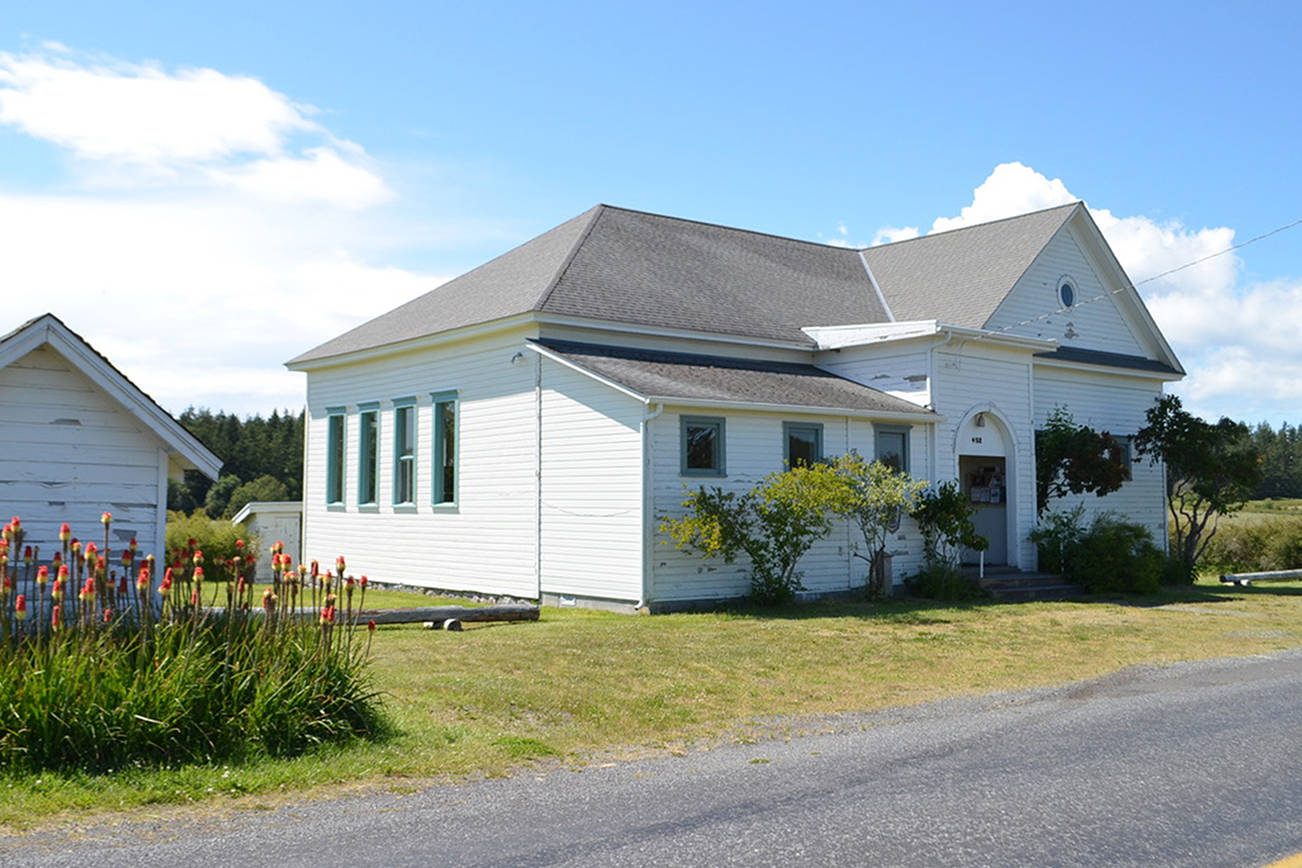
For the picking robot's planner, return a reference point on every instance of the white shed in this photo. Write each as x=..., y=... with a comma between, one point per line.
x=274, y=521
x=78, y=439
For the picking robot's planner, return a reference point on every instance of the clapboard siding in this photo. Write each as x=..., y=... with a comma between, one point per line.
x=71, y=453
x=591, y=509
x=904, y=375
x=985, y=378
x=1117, y=404
x=754, y=450
x=1095, y=325
x=486, y=542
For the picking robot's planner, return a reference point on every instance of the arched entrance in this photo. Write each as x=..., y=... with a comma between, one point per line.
x=985, y=452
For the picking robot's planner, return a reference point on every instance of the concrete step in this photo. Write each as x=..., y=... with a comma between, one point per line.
x=1013, y=586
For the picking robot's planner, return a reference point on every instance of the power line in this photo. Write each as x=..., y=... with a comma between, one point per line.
x=1199, y=261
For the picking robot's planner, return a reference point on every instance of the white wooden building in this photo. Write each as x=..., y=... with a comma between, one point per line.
x=524, y=428
x=273, y=521
x=79, y=439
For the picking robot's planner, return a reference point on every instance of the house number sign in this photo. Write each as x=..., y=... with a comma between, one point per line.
x=976, y=439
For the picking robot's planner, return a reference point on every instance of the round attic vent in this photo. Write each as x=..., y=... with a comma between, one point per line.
x=1067, y=291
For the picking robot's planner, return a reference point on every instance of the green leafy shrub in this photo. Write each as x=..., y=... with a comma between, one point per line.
x=1249, y=547
x=1114, y=556
x=217, y=538
x=943, y=581
x=1055, y=533
x=773, y=524
x=263, y=488
x=876, y=497
x=944, y=518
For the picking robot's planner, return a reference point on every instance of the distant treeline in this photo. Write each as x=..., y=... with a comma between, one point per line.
x=262, y=460
x=1281, y=460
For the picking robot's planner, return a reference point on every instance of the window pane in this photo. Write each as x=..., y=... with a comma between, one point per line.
x=445, y=416
x=702, y=447
x=890, y=449
x=404, y=446
x=369, y=457
x=802, y=446
x=335, y=459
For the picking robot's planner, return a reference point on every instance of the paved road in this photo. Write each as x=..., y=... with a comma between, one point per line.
x=1199, y=764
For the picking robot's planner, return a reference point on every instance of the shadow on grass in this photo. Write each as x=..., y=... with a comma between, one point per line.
x=917, y=609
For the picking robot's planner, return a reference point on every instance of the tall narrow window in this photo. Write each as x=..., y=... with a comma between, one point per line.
x=404, y=451
x=445, y=447
x=335, y=456
x=368, y=455
x=892, y=443
x=802, y=443
x=703, y=446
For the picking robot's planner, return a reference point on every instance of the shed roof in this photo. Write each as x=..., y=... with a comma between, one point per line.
x=49, y=329
x=668, y=376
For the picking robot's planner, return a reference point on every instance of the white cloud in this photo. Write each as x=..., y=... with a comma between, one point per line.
x=891, y=234
x=198, y=300
x=1011, y=189
x=209, y=228
x=323, y=176
x=141, y=114
x=1238, y=341
x=134, y=125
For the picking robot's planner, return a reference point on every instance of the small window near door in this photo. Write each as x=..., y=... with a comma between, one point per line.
x=892, y=442
x=1126, y=458
x=702, y=445
x=802, y=443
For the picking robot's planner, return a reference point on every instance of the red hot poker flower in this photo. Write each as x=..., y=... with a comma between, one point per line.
x=20, y=607
x=108, y=613
x=56, y=617
x=42, y=574
x=370, y=625
x=65, y=532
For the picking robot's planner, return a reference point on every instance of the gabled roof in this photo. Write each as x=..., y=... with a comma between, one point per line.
x=654, y=375
x=49, y=329
x=646, y=269
x=634, y=268
x=962, y=275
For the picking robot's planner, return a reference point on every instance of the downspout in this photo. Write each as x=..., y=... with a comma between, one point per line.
x=648, y=502
x=537, y=484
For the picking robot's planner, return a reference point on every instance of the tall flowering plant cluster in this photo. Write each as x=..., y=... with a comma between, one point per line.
x=103, y=662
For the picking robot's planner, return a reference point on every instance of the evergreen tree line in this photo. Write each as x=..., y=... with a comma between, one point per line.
x=1281, y=460
x=262, y=460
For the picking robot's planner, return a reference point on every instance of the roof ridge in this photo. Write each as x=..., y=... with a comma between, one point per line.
x=975, y=225
x=821, y=244
x=596, y=211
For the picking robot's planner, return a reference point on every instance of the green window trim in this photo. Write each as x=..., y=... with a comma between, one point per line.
x=336, y=430
x=406, y=437
x=880, y=447
x=704, y=461
x=791, y=430
x=447, y=432
x=368, y=454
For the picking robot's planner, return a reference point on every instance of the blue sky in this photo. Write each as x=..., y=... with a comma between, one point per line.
x=204, y=191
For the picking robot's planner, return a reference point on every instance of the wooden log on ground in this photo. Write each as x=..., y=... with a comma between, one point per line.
x=464, y=614
x=1273, y=576
x=420, y=614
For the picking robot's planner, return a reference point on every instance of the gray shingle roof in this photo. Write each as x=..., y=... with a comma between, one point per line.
x=665, y=272
x=959, y=277
x=689, y=376
x=1112, y=360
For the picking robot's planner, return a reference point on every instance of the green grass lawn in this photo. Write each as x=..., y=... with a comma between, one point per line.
x=581, y=685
